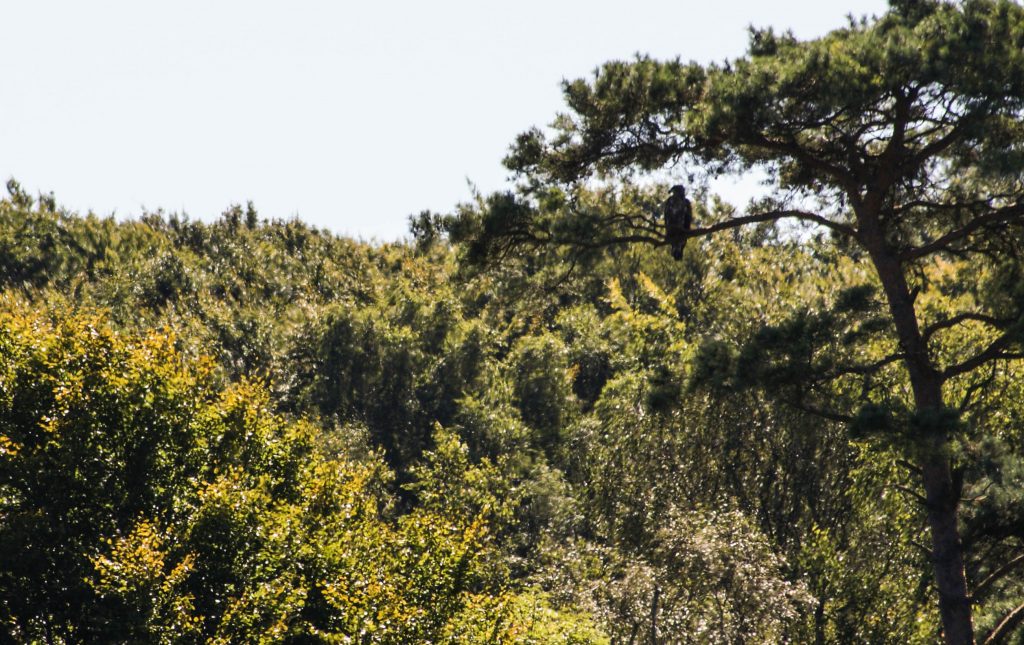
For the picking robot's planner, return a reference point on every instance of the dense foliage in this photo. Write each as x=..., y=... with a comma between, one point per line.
x=521, y=426
x=389, y=448
x=896, y=142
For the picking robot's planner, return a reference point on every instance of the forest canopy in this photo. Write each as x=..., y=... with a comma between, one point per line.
x=530, y=423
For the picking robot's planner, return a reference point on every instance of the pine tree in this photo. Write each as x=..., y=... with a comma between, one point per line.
x=901, y=137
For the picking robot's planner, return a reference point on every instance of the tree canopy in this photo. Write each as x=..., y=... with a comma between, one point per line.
x=901, y=139
x=529, y=423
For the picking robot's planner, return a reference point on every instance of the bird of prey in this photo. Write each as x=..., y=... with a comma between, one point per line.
x=678, y=218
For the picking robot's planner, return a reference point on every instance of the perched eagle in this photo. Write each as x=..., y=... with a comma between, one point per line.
x=678, y=217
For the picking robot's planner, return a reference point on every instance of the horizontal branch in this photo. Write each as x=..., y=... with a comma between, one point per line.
x=867, y=368
x=940, y=206
x=770, y=216
x=646, y=235
x=930, y=330
x=610, y=241
x=998, y=216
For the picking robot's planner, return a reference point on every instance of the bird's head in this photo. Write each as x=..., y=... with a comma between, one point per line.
x=677, y=190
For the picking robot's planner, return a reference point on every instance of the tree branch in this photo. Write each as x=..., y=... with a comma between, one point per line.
x=611, y=241
x=797, y=151
x=994, y=217
x=942, y=206
x=994, y=351
x=973, y=388
x=921, y=499
x=1008, y=623
x=890, y=157
x=909, y=466
x=868, y=368
x=830, y=415
x=769, y=216
x=647, y=235
x=942, y=143
x=930, y=330
x=997, y=575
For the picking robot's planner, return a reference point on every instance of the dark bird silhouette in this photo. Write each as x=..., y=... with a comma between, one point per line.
x=678, y=218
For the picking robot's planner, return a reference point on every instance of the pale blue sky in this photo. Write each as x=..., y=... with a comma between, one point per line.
x=349, y=115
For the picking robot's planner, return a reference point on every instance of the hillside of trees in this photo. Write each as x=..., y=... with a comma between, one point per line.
x=529, y=423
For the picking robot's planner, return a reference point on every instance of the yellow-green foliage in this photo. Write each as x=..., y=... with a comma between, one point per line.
x=136, y=494
x=249, y=431
x=526, y=618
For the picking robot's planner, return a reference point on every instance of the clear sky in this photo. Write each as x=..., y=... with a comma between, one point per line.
x=348, y=115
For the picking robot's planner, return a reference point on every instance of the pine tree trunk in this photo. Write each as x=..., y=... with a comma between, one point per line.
x=947, y=550
x=932, y=445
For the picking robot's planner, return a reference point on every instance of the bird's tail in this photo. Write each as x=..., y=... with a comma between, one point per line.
x=677, y=249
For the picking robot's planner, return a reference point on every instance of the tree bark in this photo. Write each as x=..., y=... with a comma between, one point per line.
x=932, y=444
x=947, y=549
